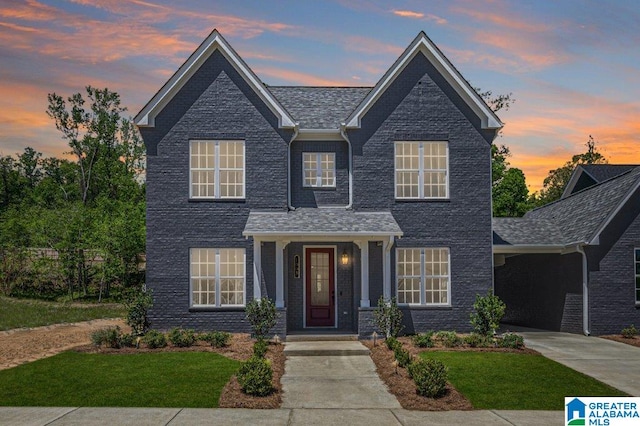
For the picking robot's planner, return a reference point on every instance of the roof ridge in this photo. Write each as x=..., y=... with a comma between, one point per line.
x=318, y=87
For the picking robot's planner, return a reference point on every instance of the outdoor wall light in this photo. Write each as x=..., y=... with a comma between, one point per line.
x=345, y=258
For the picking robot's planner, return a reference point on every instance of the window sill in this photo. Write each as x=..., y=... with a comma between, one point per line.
x=423, y=200
x=217, y=200
x=426, y=307
x=216, y=309
x=319, y=188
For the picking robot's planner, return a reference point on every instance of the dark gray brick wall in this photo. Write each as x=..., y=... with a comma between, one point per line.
x=314, y=197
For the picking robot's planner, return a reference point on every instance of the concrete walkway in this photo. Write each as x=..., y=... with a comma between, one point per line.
x=613, y=363
x=88, y=416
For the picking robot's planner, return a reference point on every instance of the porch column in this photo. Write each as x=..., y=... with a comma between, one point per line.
x=364, y=273
x=280, y=246
x=386, y=268
x=257, y=268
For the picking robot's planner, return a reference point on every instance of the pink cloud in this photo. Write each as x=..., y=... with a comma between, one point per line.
x=419, y=15
x=297, y=78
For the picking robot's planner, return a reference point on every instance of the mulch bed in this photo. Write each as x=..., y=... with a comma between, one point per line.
x=403, y=387
x=240, y=349
x=634, y=341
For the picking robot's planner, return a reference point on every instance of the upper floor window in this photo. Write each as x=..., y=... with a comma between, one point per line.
x=319, y=169
x=423, y=276
x=217, y=169
x=217, y=277
x=637, y=265
x=421, y=170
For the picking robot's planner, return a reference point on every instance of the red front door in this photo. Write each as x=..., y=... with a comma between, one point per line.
x=320, y=287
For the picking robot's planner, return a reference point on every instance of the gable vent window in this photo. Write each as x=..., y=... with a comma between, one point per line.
x=216, y=169
x=421, y=170
x=637, y=265
x=319, y=169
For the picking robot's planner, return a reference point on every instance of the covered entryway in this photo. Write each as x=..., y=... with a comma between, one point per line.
x=320, y=287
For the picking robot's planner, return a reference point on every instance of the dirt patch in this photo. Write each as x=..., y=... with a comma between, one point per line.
x=634, y=341
x=24, y=345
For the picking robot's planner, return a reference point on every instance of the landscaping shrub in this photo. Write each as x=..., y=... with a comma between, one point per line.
x=423, y=340
x=430, y=377
x=629, y=332
x=127, y=340
x=182, y=338
x=392, y=343
x=262, y=316
x=511, y=340
x=99, y=337
x=255, y=376
x=154, y=339
x=110, y=337
x=387, y=317
x=403, y=356
x=476, y=340
x=137, y=302
x=260, y=348
x=217, y=339
x=449, y=339
x=489, y=310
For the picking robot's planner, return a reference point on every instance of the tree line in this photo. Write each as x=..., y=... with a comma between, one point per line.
x=88, y=207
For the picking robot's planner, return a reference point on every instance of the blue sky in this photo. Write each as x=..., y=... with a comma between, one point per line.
x=573, y=66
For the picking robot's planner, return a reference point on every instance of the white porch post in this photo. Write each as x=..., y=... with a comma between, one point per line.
x=386, y=268
x=257, y=268
x=280, y=246
x=364, y=273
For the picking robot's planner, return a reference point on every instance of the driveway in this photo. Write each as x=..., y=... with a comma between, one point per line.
x=616, y=364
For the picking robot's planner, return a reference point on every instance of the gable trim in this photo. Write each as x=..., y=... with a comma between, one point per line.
x=575, y=177
x=596, y=237
x=422, y=44
x=215, y=41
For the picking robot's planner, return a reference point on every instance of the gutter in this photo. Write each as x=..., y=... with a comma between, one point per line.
x=585, y=290
x=343, y=133
x=296, y=131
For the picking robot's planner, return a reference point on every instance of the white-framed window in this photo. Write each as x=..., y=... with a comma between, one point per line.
x=216, y=169
x=217, y=276
x=421, y=170
x=319, y=169
x=637, y=267
x=423, y=276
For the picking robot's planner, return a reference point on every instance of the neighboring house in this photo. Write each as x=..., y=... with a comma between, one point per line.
x=323, y=199
x=574, y=264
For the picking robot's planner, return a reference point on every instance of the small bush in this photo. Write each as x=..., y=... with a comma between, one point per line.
x=629, y=332
x=449, y=339
x=217, y=339
x=154, y=339
x=182, y=338
x=387, y=317
x=423, y=340
x=403, y=356
x=127, y=340
x=475, y=340
x=392, y=343
x=511, y=340
x=99, y=337
x=489, y=310
x=262, y=316
x=255, y=376
x=260, y=348
x=430, y=377
x=137, y=302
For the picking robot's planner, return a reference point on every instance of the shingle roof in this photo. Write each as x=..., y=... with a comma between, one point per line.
x=319, y=107
x=573, y=219
x=602, y=172
x=327, y=221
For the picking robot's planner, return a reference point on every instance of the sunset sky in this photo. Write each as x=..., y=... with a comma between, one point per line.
x=573, y=66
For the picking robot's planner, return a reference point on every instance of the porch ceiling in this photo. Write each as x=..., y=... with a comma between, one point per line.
x=321, y=222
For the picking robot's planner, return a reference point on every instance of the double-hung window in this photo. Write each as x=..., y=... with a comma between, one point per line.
x=319, y=169
x=217, y=277
x=421, y=170
x=423, y=276
x=637, y=265
x=217, y=169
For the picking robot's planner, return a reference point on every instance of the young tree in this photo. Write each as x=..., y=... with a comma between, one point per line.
x=509, y=189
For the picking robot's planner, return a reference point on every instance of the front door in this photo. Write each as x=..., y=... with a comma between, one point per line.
x=320, y=287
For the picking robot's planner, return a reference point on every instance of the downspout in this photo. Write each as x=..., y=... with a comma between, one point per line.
x=296, y=131
x=343, y=133
x=585, y=290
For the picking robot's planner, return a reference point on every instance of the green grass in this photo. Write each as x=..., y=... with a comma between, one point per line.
x=71, y=379
x=511, y=381
x=16, y=313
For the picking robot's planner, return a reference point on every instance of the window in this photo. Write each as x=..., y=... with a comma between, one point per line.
x=217, y=277
x=319, y=169
x=637, y=264
x=216, y=169
x=421, y=170
x=423, y=276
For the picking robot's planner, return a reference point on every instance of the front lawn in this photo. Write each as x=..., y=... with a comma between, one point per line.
x=512, y=381
x=16, y=313
x=71, y=379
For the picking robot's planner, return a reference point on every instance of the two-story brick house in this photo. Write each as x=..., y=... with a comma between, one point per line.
x=320, y=198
